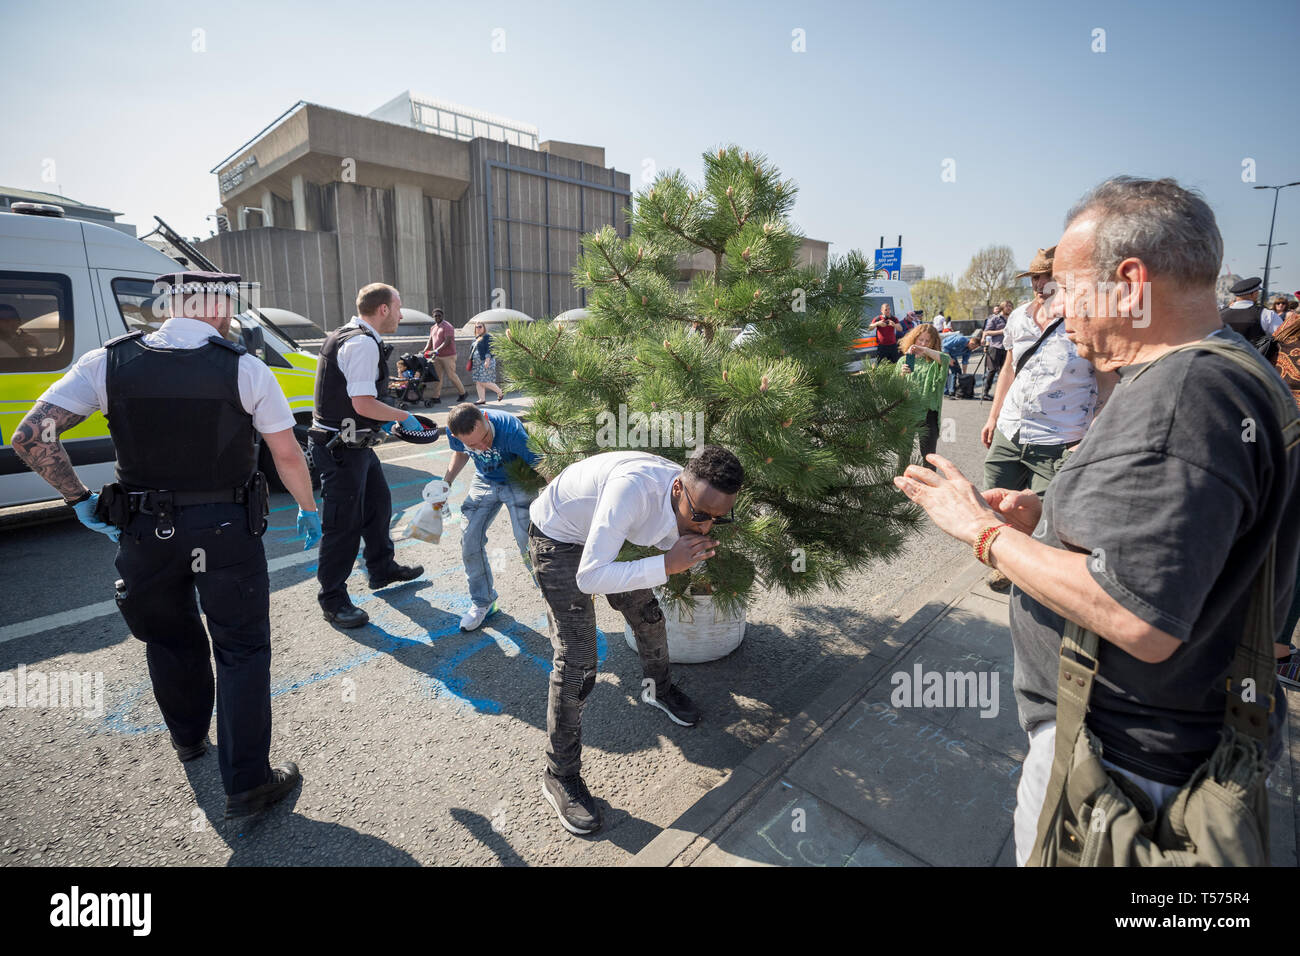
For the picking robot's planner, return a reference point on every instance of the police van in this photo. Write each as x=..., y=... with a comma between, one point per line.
x=66, y=288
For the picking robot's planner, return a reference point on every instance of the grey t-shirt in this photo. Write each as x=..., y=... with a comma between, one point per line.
x=1176, y=505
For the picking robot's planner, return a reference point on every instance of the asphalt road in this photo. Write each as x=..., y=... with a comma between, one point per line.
x=418, y=744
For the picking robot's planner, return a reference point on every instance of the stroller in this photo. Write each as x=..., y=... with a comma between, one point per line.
x=412, y=391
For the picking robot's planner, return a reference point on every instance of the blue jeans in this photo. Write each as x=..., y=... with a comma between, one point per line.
x=481, y=505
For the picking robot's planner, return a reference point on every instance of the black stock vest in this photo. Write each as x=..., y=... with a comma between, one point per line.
x=1245, y=322
x=333, y=404
x=175, y=416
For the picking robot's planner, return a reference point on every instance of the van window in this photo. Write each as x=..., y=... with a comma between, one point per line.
x=137, y=303
x=35, y=322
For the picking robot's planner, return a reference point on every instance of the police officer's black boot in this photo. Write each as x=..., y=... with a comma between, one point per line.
x=192, y=752
x=394, y=573
x=283, y=779
x=349, y=616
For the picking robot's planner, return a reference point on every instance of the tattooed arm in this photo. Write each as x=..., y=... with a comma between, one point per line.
x=36, y=441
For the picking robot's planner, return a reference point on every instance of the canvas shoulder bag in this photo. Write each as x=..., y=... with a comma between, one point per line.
x=1093, y=816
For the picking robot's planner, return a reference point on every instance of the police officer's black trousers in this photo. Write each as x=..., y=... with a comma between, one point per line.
x=212, y=550
x=356, y=505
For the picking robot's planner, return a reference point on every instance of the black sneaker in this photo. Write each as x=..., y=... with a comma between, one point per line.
x=572, y=801
x=283, y=779
x=394, y=573
x=674, y=703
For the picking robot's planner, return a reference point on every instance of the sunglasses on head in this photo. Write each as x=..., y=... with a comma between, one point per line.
x=728, y=518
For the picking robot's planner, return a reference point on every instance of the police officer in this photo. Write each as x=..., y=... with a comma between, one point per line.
x=351, y=374
x=184, y=405
x=1242, y=315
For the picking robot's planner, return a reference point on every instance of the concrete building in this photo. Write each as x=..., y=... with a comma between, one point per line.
x=322, y=202
x=1223, y=286
x=910, y=273
x=71, y=208
x=811, y=252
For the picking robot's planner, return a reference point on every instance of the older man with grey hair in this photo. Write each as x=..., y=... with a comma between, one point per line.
x=1154, y=531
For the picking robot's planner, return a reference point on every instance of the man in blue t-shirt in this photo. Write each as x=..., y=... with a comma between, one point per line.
x=493, y=439
x=958, y=348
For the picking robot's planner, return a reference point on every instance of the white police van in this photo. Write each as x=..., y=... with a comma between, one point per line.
x=66, y=288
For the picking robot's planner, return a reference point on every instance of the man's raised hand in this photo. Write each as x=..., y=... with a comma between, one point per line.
x=689, y=550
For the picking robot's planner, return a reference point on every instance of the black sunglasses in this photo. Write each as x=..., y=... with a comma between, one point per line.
x=728, y=518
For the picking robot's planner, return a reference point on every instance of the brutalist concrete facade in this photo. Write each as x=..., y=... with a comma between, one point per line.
x=324, y=202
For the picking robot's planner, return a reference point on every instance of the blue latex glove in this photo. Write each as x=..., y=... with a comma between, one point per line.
x=387, y=427
x=86, y=515
x=309, y=528
x=412, y=424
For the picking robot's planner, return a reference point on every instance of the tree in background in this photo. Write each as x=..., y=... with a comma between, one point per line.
x=934, y=296
x=819, y=446
x=988, y=280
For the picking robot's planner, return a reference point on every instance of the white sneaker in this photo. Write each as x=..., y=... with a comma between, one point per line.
x=476, y=616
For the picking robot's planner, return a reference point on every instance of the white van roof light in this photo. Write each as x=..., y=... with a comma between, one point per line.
x=37, y=209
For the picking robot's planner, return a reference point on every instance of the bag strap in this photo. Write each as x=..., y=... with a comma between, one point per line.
x=1077, y=667
x=1051, y=327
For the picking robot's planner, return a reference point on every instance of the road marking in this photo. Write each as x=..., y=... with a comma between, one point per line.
x=89, y=612
x=79, y=615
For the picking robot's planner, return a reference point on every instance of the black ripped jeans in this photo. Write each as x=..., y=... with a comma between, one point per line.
x=573, y=670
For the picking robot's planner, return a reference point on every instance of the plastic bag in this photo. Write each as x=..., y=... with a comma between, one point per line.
x=427, y=523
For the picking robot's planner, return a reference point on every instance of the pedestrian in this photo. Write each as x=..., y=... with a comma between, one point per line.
x=907, y=323
x=1045, y=399
x=494, y=440
x=580, y=522
x=994, y=351
x=482, y=364
x=940, y=322
x=348, y=419
x=958, y=347
x=1143, y=556
x=442, y=347
x=1286, y=360
x=1271, y=319
x=184, y=406
x=925, y=365
x=887, y=330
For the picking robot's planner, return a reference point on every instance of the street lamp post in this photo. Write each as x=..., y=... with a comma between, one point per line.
x=1268, y=258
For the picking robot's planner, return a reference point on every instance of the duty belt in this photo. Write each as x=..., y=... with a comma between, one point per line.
x=163, y=504
x=153, y=502
x=331, y=438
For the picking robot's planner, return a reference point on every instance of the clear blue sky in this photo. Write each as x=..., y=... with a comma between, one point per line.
x=863, y=120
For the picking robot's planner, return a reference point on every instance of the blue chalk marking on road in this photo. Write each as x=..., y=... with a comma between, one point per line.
x=443, y=682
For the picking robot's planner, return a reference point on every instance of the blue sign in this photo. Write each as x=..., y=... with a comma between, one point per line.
x=890, y=262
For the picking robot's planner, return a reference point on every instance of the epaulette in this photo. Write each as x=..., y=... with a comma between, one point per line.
x=122, y=338
x=226, y=343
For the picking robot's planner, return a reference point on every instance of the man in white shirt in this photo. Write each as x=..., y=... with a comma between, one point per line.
x=580, y=522
x=1045, y=399
x=348, y=417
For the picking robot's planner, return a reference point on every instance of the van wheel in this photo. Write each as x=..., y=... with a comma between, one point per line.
x=266, y=464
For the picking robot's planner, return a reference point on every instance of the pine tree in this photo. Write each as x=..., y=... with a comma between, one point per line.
x=819, y=446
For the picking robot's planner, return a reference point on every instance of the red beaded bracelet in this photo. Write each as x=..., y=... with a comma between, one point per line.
x=985, y=541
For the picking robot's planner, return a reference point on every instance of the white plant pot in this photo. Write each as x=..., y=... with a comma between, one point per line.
x=697, y=634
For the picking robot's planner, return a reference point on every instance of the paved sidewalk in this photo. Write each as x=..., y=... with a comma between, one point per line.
x=854, y=781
